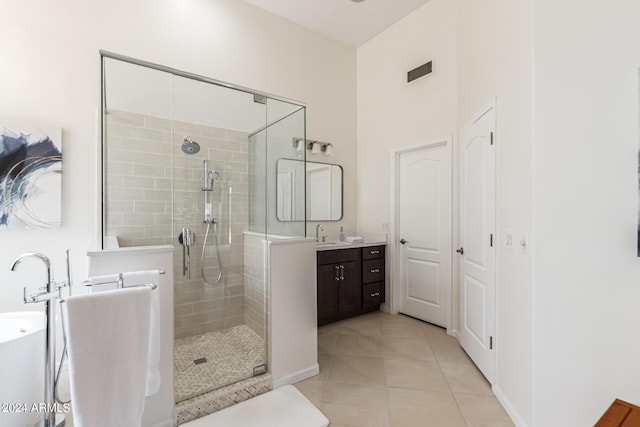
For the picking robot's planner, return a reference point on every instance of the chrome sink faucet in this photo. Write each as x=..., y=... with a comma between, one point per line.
x=319, y=228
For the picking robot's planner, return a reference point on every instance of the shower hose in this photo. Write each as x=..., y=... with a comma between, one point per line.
x=204, y=245
x=65, y=355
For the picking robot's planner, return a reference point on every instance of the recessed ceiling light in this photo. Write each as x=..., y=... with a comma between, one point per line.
x=357, y=1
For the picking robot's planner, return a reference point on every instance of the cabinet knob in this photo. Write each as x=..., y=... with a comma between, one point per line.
x=377, y=294
x=374, y=252
x=375, y=270
x=402, y=241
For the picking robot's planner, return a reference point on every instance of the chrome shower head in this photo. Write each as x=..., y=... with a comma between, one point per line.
x=190, y=146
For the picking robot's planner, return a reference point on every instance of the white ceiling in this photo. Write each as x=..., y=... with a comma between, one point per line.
x=343, y=20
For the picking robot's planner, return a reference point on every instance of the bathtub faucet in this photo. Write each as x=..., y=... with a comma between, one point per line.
x=47, y=291
x=51, y=289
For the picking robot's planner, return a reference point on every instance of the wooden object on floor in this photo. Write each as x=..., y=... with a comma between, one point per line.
x=620, y=414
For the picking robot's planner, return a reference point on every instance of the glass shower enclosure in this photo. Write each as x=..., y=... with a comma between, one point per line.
x=190, y=161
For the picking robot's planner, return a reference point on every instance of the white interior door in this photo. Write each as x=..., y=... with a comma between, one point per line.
x=424, y=215
x=477, y=242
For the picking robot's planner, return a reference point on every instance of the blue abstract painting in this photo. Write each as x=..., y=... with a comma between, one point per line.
x=30, y=175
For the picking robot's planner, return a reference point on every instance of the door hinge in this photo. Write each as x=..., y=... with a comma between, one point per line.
x=491, y=137
x=491, y=240
x=490, y=343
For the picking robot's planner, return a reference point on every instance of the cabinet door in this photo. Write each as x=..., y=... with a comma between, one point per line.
x=350, y=287
x=328, y=293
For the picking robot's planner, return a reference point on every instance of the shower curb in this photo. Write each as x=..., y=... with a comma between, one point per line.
x=224, y=397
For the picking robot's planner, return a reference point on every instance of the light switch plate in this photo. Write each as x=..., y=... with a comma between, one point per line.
x=509, y=236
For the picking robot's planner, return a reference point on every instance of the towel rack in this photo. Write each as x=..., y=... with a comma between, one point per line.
x=119, y=282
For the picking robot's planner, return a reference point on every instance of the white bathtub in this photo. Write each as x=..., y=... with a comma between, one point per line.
x=21, y=366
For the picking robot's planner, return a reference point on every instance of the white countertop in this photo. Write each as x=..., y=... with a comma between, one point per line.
x=331, y=245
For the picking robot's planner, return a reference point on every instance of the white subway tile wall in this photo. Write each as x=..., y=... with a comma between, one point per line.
x=255, y=265
x=153, y=190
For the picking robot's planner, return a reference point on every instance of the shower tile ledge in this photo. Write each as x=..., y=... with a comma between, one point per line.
x=208, y=403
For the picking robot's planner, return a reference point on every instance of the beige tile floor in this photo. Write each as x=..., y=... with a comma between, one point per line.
x=381, y=370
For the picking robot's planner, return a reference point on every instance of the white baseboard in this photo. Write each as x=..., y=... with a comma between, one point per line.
x=297, y=376
x=508, y=407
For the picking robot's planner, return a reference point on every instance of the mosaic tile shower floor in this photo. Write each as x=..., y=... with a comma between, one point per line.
x=229, y=356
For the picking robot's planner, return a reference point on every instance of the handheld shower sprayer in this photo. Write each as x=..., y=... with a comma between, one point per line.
x=205, y=176
x=209, y=177
x=214, y=175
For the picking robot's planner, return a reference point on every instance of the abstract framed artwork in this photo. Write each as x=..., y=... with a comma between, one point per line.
x=30, y=175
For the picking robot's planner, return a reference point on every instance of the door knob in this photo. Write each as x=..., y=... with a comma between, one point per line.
x=402, y=241
x=460, y=251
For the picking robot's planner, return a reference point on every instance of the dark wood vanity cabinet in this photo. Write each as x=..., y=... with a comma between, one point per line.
x=350, y=282
x=372, y=277
x=339, y=282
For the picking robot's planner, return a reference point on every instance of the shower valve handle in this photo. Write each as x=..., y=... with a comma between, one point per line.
x=186, y=239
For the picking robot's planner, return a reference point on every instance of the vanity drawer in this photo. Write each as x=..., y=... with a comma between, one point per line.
x=373, y=270
x=338, y=255
x=372, y=294
x=371, y=252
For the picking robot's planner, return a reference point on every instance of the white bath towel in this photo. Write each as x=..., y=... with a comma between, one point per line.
x=354, y=239
x=153, y=370
x=108, y=345
x=108, y=282
x=102, y=283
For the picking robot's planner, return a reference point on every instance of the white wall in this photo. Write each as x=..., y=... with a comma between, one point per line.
x=51, y=74
x=586, y=273
x=293, y=316
x=481, y=52
x=495, y=61
x=393, y=114
x=567, y=323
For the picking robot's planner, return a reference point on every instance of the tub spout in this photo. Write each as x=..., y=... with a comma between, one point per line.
x=37, y=255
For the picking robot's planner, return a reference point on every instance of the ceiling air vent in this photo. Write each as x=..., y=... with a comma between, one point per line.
x=420, y=71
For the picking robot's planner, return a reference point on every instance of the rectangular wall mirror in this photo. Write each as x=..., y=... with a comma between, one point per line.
x=324, y=191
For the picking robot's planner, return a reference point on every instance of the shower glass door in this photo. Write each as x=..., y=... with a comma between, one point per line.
x=215, y=345
x=192, y=163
